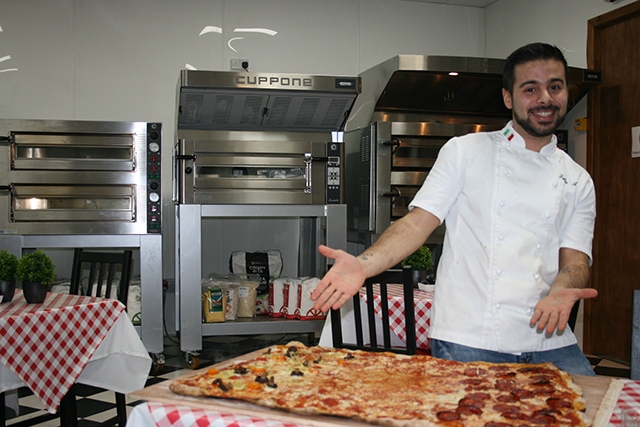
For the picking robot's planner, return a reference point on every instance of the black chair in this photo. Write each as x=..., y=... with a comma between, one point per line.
x=404, y=276
x=101, y=270
x=635, y=337
x=573, y=316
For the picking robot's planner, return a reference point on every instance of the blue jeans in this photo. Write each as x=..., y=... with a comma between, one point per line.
x=569, y=359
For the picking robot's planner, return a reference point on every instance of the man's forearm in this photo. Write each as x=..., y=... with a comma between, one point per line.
x=401, y=239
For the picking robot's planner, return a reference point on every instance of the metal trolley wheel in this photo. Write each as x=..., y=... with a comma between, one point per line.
x=157, y=363
x=193, y=360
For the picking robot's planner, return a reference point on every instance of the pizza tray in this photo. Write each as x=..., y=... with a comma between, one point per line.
x=600, y=393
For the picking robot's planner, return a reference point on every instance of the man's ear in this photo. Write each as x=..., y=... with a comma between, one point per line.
x=506, y=97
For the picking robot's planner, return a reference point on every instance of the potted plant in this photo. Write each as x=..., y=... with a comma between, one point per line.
x=422, y=264
x=8, y=268
x=36, y=271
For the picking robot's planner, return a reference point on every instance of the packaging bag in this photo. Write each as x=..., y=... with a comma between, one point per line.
x=276, y=307
x=214, y=303
x=290, y=296
x=247, y=294
x=305, y=310
x=229, y=284
x=266, y=264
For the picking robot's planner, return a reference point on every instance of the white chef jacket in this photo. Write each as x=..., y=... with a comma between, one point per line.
x=507, y=210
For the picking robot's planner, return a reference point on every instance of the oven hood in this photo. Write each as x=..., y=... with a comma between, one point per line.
x=443, y=89
x=221, y=100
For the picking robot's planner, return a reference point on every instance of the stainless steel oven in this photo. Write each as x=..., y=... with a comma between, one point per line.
x=80, y=177
x=255, y=138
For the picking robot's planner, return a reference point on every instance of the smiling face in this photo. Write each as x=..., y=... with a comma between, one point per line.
x=538, y=100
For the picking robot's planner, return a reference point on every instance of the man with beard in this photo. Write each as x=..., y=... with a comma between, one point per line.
x=519, y=217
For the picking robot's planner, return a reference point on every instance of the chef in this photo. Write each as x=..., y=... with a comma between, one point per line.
x=519, y=217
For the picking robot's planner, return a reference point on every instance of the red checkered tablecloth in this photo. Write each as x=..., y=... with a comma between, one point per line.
x=165, y=415
x=48, y=345
x=423, y=302
x=629, y=398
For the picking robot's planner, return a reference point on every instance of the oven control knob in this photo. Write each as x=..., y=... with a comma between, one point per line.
x=154, y=147
x=154, y=197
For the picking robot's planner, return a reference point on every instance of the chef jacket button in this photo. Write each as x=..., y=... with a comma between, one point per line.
x=538, y=245
x=497, y=306
x=547, y=214
x=501, y=237
x=555, y=184
x=498, y=272
x=501, y=203
x=536, y=276
x=530, y=310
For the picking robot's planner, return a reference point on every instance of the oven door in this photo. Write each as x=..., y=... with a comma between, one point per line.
x=216, y=167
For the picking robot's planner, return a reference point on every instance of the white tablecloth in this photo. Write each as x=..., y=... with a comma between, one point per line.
x=120, y=363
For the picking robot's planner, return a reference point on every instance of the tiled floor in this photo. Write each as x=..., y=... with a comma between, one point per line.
x=95, y=405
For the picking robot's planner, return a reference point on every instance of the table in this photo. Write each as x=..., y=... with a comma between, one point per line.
x=68, y=339
x=163, y=408
x=423, y=302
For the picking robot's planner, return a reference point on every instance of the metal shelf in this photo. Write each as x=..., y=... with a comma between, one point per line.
x=262, y=324
x=332, y=232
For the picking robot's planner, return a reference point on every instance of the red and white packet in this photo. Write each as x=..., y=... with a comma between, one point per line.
x=305, y=310
x=290, y=292
x=277, y=307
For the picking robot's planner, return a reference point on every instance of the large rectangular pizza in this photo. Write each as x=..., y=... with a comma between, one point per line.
x=389, y=389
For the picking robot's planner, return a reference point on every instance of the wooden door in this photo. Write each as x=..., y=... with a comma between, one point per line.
x=613, y=46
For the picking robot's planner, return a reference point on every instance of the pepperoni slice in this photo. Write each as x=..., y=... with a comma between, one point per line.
x=498, y=368
x=555, y=402
x=496, y=424
x=521, y=393
x=468, y=401
x=504, y=408
x=448, y=415
x=471, y=381
x=515, y=416
x=474, y=372
x=545, y=389
x=505, y=384
x=468, y=410
x=505, y=374
x=479, y=396
x=507, y=398
x=542, y=419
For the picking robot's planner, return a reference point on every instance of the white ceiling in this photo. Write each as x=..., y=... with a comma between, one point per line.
x=473, y=3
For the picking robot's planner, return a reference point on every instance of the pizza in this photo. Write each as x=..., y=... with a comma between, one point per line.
x=390, y=389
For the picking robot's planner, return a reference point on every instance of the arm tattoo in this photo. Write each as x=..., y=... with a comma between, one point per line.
x=365, y=256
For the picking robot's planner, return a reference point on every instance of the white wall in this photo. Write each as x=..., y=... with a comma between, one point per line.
x=120, y=59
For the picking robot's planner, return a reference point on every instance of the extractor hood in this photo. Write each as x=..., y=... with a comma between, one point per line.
x=444, y=88
x=220, y=100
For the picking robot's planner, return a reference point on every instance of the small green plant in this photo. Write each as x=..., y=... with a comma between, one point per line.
x=8, y=266
x=36, y=267
x=420, y=260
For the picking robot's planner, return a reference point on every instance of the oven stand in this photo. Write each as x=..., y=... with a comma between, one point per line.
x=150, y=246
x=332, y=232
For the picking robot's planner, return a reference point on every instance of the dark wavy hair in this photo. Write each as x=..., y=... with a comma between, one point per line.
x=529, y=53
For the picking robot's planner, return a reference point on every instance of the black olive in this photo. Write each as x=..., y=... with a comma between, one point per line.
x=220, y=384
x=241, y=370
x=291, y=351
x=262, y=379
x=271, y=383
x=297, y=373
